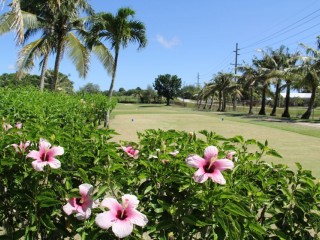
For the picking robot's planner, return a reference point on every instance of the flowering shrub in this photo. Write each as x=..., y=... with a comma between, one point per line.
x=247, y=199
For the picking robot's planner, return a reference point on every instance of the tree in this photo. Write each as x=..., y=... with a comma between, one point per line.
x=63, y=83
x=57, y=22
x=90, y=88
x=167, y=86
x=11, y=80
x=310, y=72
x=119, y=29
x=189, y=92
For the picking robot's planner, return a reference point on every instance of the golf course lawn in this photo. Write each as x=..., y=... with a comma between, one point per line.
x=128, y=119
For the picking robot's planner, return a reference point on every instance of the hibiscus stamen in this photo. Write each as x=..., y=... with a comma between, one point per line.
x=79, y=201
x=125, y=204
x=212, y=160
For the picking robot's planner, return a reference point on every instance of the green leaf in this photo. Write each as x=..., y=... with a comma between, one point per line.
x=274, y=153
x=192, y=220
x=83, y=175
x=102, y=190
x=237, y=209
x=47, y=222
x=148, y=189
x=257, y=230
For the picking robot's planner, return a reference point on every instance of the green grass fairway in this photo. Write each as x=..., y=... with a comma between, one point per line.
x=296, y=143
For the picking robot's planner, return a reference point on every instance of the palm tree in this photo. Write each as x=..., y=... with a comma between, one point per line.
x=57, y=22
x=119, y=29
x=310, y=70
x=222, y=83
x=289, y=75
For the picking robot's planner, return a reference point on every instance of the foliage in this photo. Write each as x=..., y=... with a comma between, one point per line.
x=90, y=88
x=189, y=92
x=167, y=86
x=259, y=200
x=11, y=80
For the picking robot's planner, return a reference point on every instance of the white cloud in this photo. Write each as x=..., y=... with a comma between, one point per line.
x=167, y=43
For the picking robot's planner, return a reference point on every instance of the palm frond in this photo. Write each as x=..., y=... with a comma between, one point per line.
x=78, y=54
x=105, y=57
x=27, y=55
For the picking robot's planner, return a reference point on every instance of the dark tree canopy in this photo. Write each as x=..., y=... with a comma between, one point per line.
x=90, y=88
x=167, y=86
x=11, y=80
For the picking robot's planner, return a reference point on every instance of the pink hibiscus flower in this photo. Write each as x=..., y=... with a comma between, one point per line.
x=82, y=205
x=21, y=148
x=174, y=153
x=209, y=166
x=121, y=217
x=131, y=152
x=230, y=155
x=45, y=156
x=6, y=126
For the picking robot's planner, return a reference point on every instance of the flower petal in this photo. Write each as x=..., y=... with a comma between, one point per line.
x=223, y=164
x=122, y=228
x=38, y=165
x=83, y=215
x=210, y=152
x=217, y=177
x=85, y=189
x=230, y=155
x=131, y=200
x=55, y=151
x=200, y=176
x=137, y=218
x=54, y=163
x=34, y=154
x=69, y=209
x=112, y=204
x=105, y=220
x=195, y=161
x=44, y=144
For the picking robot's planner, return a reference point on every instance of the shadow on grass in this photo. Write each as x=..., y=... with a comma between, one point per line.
x=148, y=106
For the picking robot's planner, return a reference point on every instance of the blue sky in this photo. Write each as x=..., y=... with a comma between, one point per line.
x=187, y=38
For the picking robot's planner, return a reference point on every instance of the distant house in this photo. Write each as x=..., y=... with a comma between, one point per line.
x=298, y=99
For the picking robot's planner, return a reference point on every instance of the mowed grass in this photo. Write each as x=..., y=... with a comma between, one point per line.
x=296, y=143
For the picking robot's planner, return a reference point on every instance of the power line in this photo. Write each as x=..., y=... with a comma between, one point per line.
x=282, y=29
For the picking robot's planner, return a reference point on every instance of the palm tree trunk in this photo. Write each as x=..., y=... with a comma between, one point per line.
x=211, y=104
x=307, y=114
x=107, y=116
x=199, y=103
x=263, y=101
x=251, y=102
x=276, y=99
x=224, y=101
x=43, y=71
x=234, y=102
x=286, y=113
x=205, y=104
x=56, y=66
x=220, y=102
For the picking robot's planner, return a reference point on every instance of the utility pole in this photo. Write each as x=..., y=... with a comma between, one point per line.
x=235, y=76
x=236, y=59
x=198, y=80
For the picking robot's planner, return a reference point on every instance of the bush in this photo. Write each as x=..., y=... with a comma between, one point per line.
x=250, y=199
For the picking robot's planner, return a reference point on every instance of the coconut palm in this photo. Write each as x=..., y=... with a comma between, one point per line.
x=57, y=22
x=289, y=75
x=119, y=29
x=252, y=77
x=310, y=71
x=222, y=83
